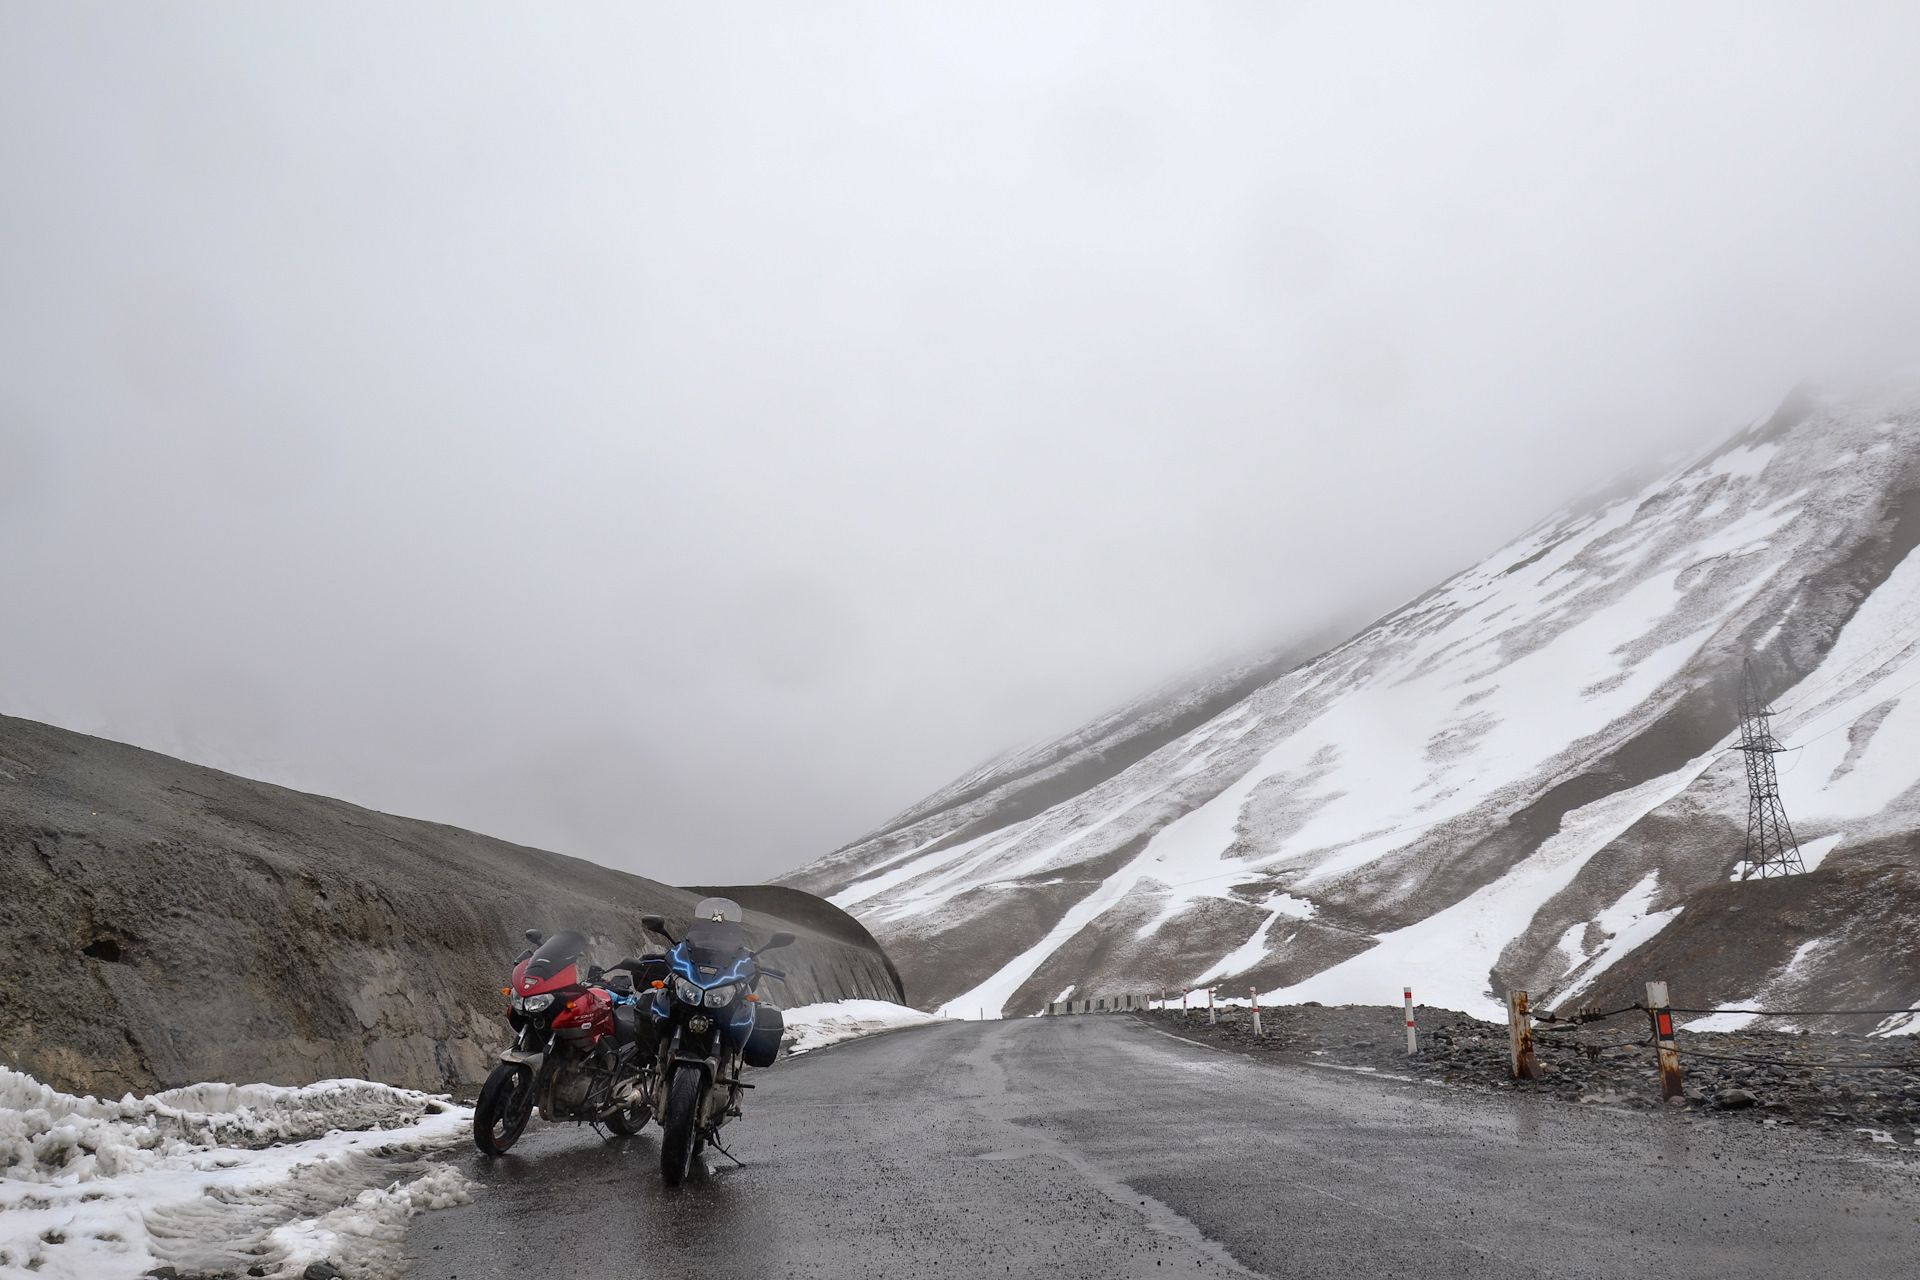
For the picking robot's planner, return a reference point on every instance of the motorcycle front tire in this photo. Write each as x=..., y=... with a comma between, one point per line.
x=677, y=1126
x=506, y=1103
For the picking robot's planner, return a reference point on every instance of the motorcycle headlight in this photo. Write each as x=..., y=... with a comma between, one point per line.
x=721, y=997
x=534, y=1004
x=687, y=991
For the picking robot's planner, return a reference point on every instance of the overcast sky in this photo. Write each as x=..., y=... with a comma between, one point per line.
x=684, y=436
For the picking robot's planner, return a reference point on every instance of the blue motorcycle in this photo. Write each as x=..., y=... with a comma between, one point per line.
x=710, y=1023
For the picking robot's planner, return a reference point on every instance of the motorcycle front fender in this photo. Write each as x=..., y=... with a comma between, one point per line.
x=527, y=1056
x=708, y=1066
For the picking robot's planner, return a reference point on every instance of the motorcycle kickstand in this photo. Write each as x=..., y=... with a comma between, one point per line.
x=714, y=1143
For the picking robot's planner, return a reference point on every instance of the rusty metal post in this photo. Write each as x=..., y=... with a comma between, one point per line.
x=1520, y=1037
x=1413, y=1041
x=1660, y=1009
x=1253, y=994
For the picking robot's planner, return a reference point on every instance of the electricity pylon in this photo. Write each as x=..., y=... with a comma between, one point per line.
x=1771, y=848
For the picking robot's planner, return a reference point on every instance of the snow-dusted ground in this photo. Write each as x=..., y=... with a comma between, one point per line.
x=815, y=1026
x=218, y=1177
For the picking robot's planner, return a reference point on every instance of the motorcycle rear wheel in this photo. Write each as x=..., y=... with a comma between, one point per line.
x=506, y=1103
x=677, y=1126
x=631, y=1120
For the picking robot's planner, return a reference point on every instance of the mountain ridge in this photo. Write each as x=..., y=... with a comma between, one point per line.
x=1366, y=800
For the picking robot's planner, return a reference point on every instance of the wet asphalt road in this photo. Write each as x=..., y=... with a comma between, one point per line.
x=1097, y=1147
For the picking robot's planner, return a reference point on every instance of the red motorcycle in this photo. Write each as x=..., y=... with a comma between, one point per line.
x=580, y=1050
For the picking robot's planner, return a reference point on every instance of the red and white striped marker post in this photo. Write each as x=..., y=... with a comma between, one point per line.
x=1413, y=1040
x=1669, y=1053
x=1253, y=995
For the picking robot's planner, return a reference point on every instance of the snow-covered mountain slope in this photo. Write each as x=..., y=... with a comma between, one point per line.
x=1518, y=779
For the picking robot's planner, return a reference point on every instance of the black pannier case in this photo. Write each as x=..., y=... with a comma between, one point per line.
x=763, y=1042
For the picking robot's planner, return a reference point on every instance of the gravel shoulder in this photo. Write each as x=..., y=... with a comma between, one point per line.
x=1850, y=1086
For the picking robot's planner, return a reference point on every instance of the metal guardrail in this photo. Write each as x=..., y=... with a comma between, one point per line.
x=1101, y=1004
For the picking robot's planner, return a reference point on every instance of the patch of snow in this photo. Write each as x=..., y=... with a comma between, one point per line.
x=815, y=1026
x=218, y=1178
x=1447, y=957
x=1626, y=924
x=1815, y=852
x=914, y=867
x=1722, y=1020
x=1745, y=463
x=1777, y=989
x=1900, y=1024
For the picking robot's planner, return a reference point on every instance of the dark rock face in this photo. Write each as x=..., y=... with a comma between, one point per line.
x=164, y=923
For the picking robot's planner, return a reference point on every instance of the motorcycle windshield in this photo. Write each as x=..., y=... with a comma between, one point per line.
x=714, y=944
x=554, y=965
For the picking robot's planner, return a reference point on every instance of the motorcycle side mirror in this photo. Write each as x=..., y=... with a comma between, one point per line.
x=595, y=973
x=535, y=937
x=658, y=924
x=779, y=940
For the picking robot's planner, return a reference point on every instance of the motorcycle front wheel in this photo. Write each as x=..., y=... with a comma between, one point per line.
x=506, y=1101
x=677, y=1126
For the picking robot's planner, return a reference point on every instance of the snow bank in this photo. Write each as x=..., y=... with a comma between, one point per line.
x=815, y=1026
x=218, y=1177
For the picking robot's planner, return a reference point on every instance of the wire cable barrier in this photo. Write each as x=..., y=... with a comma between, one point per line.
x=1806, y=1013
x=1597, y=1015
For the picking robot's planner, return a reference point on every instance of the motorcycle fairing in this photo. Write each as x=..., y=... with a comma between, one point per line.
x=685, y=959
x=590, y=1011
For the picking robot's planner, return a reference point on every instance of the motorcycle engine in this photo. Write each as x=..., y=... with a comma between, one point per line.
x=570, y=1093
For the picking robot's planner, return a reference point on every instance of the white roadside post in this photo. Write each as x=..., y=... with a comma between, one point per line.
x=1253, y=994
x=1209, y=1006
x=1413, y=1041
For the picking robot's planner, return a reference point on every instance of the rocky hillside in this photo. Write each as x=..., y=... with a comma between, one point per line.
x=1518, y=779
x=164, y=923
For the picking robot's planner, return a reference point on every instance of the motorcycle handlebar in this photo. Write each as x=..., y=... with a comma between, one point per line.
x=773, y=973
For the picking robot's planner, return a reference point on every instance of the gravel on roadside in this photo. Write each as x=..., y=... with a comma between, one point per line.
x=1861, y=1087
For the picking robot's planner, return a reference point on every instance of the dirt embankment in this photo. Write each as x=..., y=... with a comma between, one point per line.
x=1834, y=1083
x=164, y=923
